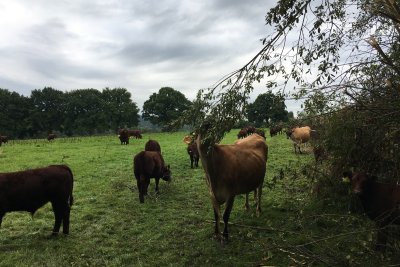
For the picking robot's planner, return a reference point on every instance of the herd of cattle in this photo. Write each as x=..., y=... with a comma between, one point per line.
x=230, y=170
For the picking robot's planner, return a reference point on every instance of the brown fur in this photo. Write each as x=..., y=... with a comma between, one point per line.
x=193, y=154
x=124, y=137
x=300, y=135
x=31, y=189
x=231, y=170
x=152, y=145
x=381, y=202
x=51, y=137
x=146, y=165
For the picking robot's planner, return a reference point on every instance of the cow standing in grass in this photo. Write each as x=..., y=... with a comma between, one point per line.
x=31, y=189
x=231, y=170
x=146, y=165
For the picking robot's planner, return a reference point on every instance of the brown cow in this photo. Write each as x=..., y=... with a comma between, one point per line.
x=231, y=170
x=51, y=136
x=300, y=135
x=152, y=145
x=242, y=133
x=381, y=202
x=124, y=137
x=135, y=133
x=149, y=164
x=31, y=189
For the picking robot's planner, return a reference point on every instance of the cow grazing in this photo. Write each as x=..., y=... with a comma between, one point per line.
x=260, y=132
x=381, y=202
x=31, y=189
x=242, y=133
x=300, y=135
x=124, y=137
x=51, y=136
x=146, y=165
x=135, y=133
x=231, y=170
x=152, y=145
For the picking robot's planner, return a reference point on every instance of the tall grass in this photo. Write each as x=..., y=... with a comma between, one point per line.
x=109, y=227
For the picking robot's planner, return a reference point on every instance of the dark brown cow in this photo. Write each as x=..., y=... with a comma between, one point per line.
x=260, y=132
x=381, y=202
x=135, y=133
x=193, y=154
x=152, y=145
x=242, y=133
x=231, y=170
x=3, y=139
x=31, y=189
x=124, y=137
x=149, y=164
x=51, y=137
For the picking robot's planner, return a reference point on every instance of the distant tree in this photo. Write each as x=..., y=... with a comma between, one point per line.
x=48, y=110
x=14, y=112
x=165, y=106
x=266, y=109
x=84, y=112
x=119, y=109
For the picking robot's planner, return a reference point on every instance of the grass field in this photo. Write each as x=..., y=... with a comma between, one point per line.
x=109, y=227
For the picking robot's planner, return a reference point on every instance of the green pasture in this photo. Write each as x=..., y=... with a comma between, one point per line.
x=109, y=227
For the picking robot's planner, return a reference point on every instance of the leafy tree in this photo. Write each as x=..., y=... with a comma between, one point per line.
x=119, y=109
x=14, y=112
x=267, y=108
x=165, y=106
x=48, y=110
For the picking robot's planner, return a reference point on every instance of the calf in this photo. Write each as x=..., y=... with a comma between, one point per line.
x=152, y=145
x=146, y=165
x=193, y=154
x=31, y=189
x=381, y=202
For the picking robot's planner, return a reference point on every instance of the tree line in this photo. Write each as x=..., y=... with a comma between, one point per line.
x=90, y=111
x=78, y=112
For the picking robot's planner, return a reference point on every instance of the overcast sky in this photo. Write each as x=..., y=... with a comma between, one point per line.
x=139, y=45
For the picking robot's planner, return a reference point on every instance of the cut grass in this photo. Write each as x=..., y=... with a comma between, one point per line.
x=109, y=227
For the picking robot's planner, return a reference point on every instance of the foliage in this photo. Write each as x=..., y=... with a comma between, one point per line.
x=268, y=108
x=78, y=112
x=165, y=106
x=110, y=228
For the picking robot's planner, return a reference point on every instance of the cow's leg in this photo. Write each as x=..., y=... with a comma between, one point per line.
x=227, y=212
x=197, y=161
x=157, y=181
x=1, y=216
x=191, y=161
x=65, y=220
x=295, y=148
x=259, y=192
x=58, y=214
x=217, y=217
x=246, y=203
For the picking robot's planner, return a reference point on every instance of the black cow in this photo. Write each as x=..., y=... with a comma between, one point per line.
x=149, y=164
x=31, y=189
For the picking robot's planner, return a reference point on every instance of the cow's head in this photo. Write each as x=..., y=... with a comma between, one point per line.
x=360, y=181
x=167, y=176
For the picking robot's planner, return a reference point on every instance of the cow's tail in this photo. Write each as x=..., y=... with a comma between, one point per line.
x=71, y=198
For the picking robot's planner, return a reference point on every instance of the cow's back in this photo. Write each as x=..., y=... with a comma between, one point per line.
x=31, y=189
x=148, y=163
